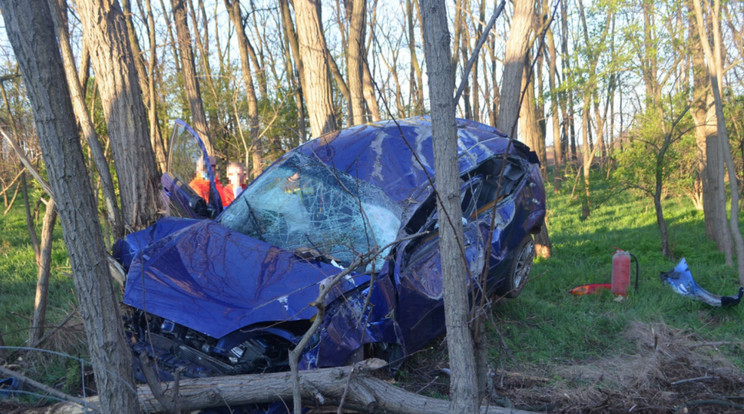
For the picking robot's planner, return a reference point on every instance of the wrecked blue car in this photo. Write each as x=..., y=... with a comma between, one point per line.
x=230, y=292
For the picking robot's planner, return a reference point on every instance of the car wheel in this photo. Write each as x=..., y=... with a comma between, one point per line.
x=520, y=268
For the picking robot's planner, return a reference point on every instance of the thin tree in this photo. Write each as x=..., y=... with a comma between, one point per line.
x=188, y=67
x=463, y=383
x=316, y=82
x=86, y=122
x=710, y=166
x=715, y=74
x=296, y=72
x=233, y=8
x=355, y=59
x=42, y=247
x=416, y=84
x=31, y=33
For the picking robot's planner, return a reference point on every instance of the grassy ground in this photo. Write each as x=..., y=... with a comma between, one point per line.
x=544, y=338
x=547, y=322
x=59, y=364
x=554, y=351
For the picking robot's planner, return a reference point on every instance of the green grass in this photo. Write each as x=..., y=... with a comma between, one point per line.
x=547, y=323
x=18, y=273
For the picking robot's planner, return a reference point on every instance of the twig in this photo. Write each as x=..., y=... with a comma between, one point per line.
x=427, y=385
x=684, y=407
x=703, y=378
x=154, y=384
x=476, y=51
x=49, y=390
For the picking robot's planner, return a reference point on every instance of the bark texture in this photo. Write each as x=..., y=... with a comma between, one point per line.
x=355, y=59
x=463, y=383
x=190, y=83
x=233, y=8
x=30, y=30
x=316, y=81
x=86, y=122
x=324, y=387
x=710, y=164
x=105, y=33
x=511, y=84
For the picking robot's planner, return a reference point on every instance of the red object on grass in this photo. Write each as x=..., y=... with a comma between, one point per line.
x=590, y=289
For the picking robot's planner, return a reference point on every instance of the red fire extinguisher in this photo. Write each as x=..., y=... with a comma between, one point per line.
x=621, y=272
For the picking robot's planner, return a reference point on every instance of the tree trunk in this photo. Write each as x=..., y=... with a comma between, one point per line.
x=516, y=49
x=587, y=157
x=463, y=385
x=554, y=114
x=710, y=163
x=355, y=60
x=156, y=136
x=126, y=119
x=188, y=67
x=43, y=261
x=369, y=95
x=715, y=73
x=233, y=8
x=416, y=83
x=316, y=82
x=86, y=123
x=291, y=36
x=30, y=31
x=325, y=387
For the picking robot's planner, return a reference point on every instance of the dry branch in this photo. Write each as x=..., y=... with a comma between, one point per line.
x=365, y=392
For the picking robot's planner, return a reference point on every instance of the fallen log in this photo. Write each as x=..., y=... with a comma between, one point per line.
x=326, y=386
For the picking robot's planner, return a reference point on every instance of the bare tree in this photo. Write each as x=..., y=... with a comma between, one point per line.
x=147, y=76
x=42, y=247
x=191, y=83
x=516, y=49
x=355, y=58
x=233, y=8
x=554, y=113
x=710, y=166
x=715, y=74
x=30, y=30
x=291, y=37
x=416, y=84
x=316, y=82
x=86, y=123
x=105, y=33
x=440, y=67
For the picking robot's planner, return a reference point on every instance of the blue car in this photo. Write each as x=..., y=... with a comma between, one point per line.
x=215, y=292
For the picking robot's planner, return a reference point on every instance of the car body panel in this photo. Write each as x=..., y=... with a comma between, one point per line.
x=232, y=280
x=215, y=280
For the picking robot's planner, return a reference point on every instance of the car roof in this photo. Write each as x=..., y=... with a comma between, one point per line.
x=397, y=155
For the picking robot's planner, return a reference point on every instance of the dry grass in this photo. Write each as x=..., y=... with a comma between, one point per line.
x=668, y=371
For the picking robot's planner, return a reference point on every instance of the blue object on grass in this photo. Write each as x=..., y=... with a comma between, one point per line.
x=681, y=281
x=8, y=386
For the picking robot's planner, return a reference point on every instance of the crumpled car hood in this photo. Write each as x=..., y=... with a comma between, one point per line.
x=215, y=281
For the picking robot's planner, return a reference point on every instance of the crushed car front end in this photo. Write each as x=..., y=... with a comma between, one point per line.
x=234, y=294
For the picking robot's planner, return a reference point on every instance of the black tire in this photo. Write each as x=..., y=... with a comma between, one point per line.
x=519, y=269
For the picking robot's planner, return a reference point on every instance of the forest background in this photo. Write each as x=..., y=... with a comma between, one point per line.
x=628, y=81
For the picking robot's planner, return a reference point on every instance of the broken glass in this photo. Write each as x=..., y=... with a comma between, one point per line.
x=302, y=204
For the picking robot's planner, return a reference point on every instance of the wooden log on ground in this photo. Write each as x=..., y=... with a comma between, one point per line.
x=324, y=386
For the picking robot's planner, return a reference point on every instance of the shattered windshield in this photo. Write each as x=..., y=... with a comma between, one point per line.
x=301, y=203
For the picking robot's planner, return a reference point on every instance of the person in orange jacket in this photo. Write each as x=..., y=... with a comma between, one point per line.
x=236, y=175
x=200, y=183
